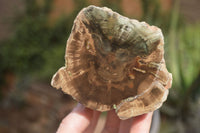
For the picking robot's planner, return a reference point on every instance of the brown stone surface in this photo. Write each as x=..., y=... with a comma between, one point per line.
x=114, y=62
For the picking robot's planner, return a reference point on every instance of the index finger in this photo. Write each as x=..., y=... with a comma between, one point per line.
x=77, y=121
x=142, y=123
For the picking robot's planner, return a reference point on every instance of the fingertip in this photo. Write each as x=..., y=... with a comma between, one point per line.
x=141, y=123
x=76, y=121
x=143, y=117
x=93, y=123
x=83, y=111
x=125, y=125
x=112, y=123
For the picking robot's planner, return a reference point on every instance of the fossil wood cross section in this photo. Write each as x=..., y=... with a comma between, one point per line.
x=113, y=62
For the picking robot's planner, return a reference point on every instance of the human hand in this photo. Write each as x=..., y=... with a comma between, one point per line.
x=84, y=120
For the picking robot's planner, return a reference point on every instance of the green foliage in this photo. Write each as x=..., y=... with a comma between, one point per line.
x=183, y=61
x=183, y=48
x=36, y=48
x=152, y=14
x=189, y=47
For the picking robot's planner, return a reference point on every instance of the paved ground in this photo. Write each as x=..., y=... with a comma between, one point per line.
x=37, y=109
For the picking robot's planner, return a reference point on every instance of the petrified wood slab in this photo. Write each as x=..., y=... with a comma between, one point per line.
x=113, y=62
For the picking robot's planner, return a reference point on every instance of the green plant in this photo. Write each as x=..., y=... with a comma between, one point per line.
x=35, y=48
x=183, y=61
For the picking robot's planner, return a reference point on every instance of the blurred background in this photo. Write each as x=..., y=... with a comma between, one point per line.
x=33, y=35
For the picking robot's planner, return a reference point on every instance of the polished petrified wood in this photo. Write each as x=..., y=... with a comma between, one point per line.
x=113, y=62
